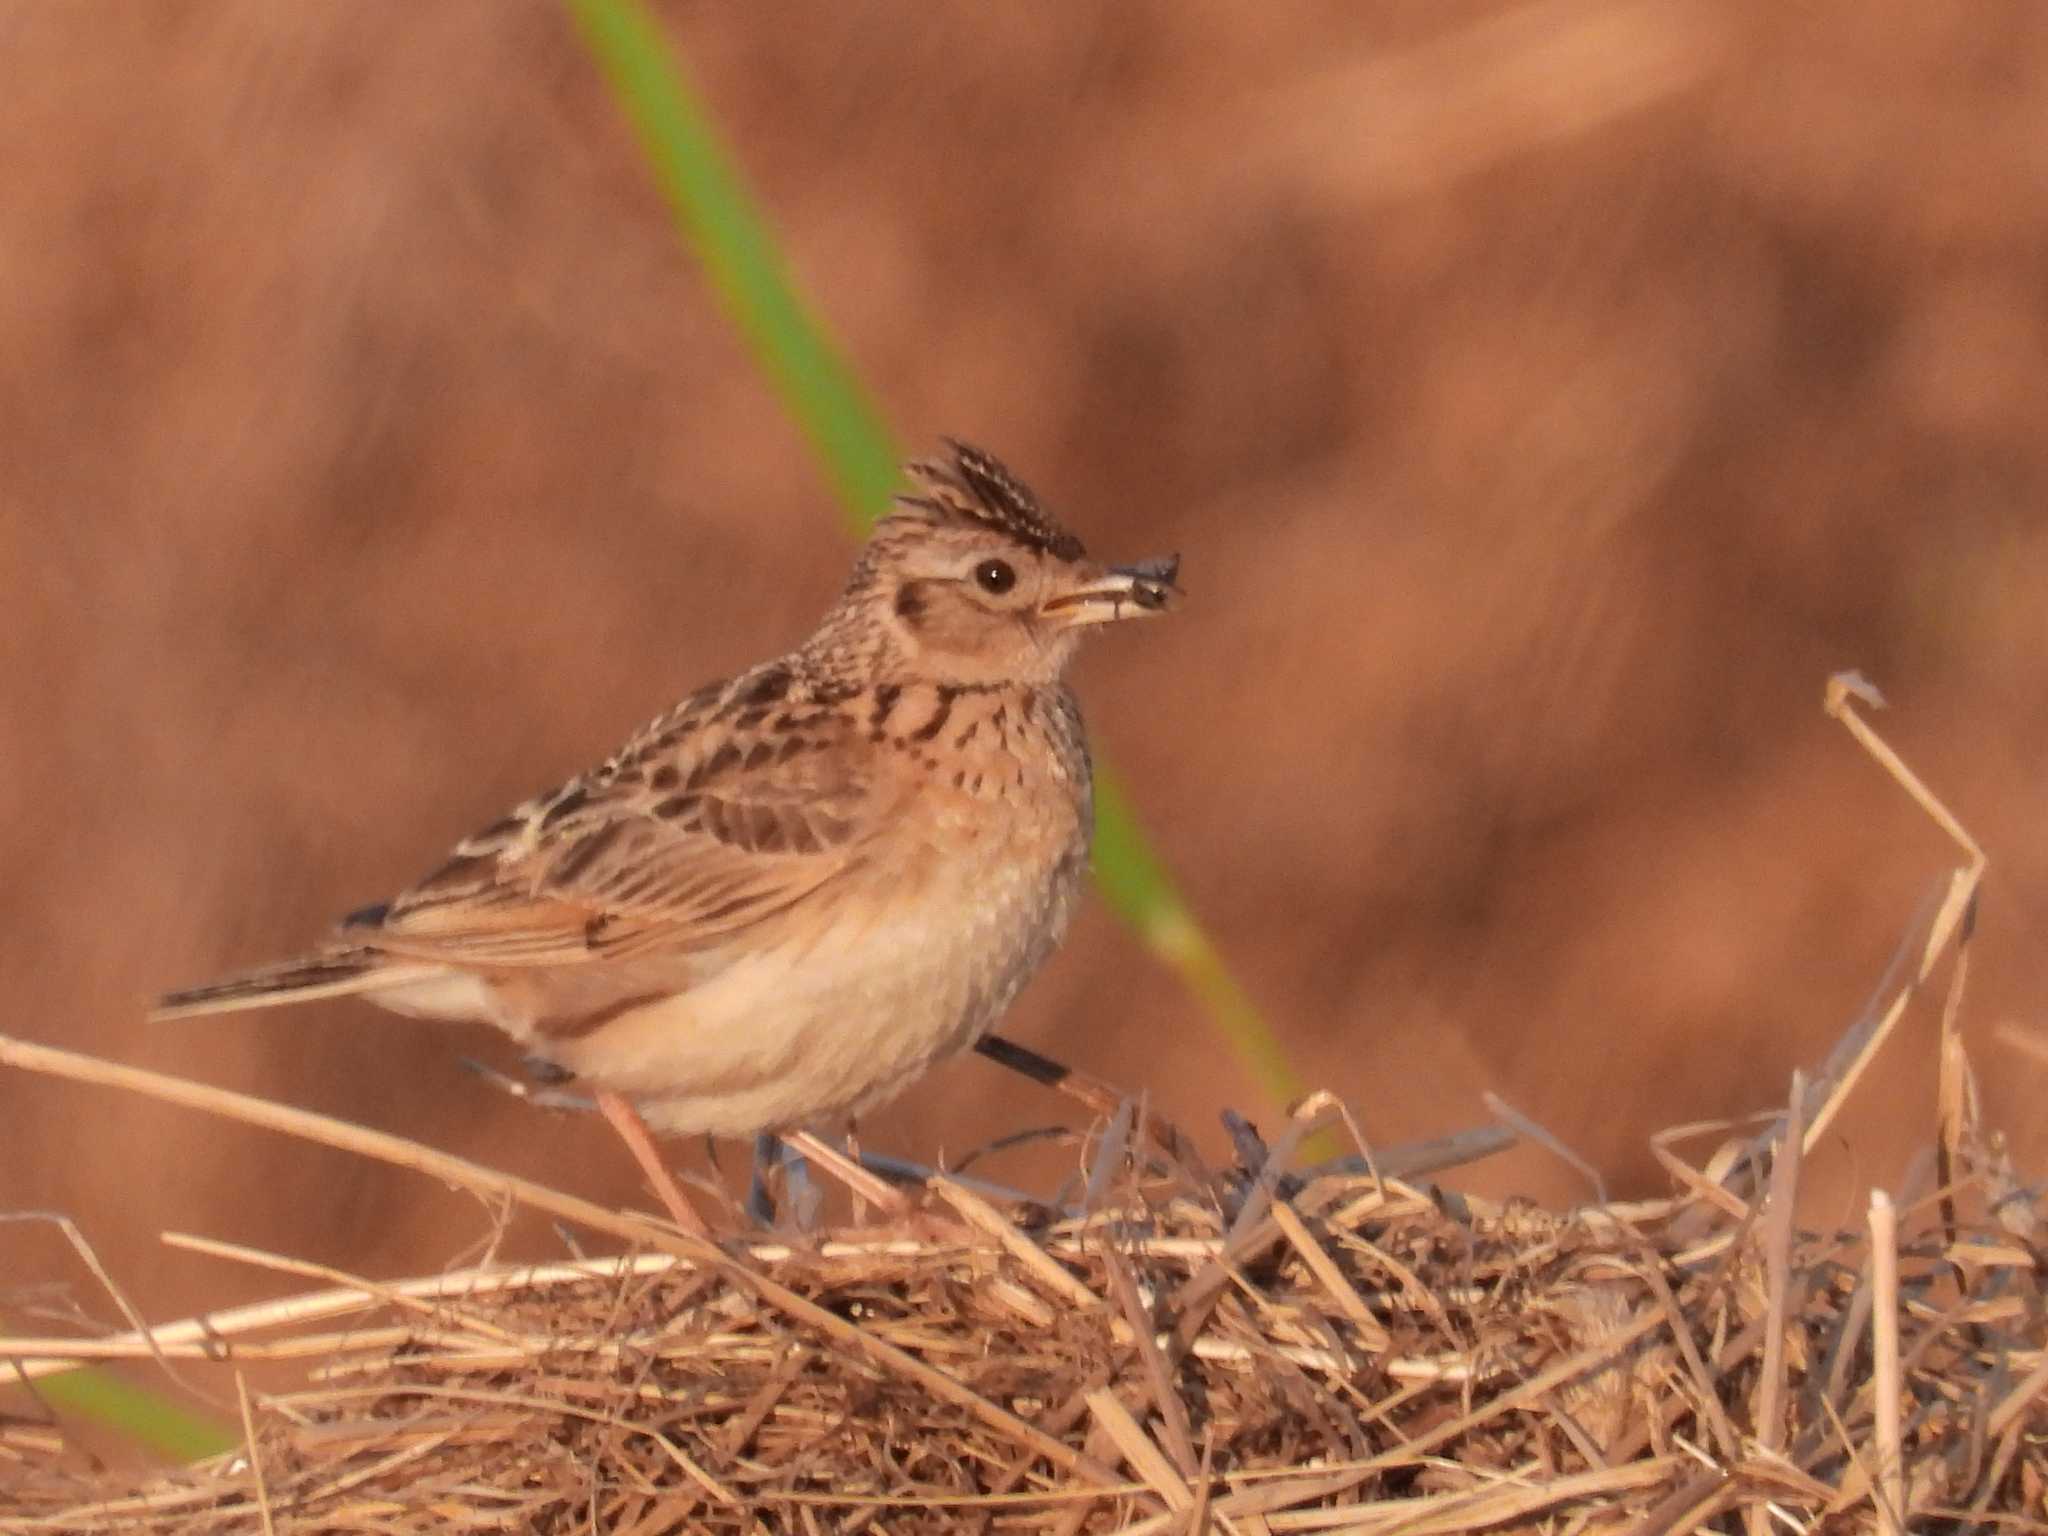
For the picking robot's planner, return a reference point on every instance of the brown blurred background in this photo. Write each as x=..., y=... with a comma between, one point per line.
x=1546, y=396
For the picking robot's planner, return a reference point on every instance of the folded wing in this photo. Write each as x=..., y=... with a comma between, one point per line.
x=694, y=834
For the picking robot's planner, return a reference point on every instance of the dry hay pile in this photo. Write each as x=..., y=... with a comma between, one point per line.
x=1172, y=1349
x=1359, y=1355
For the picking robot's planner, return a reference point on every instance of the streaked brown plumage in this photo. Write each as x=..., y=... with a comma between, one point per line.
x=787, y=896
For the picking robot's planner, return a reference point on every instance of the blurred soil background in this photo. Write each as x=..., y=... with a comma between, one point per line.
x=1546, y=397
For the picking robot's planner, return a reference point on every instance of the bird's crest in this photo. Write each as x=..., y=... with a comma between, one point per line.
x=973, y=484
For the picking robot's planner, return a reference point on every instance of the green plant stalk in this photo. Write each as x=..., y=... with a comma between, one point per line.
x=1139, y=890
x=722, y=227
x=145, y=1417
x=739, y=255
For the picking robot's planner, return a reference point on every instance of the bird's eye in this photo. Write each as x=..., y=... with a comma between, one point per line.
x=995, y=576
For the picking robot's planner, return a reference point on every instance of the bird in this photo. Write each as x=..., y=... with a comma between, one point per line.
x=787, y=896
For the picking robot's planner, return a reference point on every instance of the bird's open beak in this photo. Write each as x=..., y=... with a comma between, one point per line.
x=1125, y=592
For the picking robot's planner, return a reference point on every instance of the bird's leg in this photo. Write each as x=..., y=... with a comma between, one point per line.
x=799, y=1188
x=550, y=1074
x=540, y=1097
x=760, y=1199
x=867, y=1186
x=639, y=1141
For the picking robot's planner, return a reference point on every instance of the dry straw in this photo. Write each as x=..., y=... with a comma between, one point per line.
x=1186, y=1350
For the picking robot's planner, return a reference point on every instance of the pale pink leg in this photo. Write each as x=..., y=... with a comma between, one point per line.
x=639, y=1141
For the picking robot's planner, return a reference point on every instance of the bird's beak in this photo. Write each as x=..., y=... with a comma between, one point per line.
x=1125, y=592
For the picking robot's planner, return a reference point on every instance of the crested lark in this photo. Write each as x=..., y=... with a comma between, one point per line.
x=784, y=899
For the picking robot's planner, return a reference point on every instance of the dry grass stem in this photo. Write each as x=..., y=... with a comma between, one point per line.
x=255, y=1457
x=1784, y=1197
x=1884, y=1346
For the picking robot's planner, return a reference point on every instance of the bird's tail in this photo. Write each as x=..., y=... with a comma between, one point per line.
x=332, y=973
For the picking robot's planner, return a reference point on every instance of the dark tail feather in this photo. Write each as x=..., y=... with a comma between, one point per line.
x=293, y=981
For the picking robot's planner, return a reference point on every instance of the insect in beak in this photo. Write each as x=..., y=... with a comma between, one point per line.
x=1134, y=591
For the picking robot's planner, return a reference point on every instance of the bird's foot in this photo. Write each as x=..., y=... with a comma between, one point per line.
x=538, y=1092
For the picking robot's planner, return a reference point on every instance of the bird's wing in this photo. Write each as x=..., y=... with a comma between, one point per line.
x=700, y=829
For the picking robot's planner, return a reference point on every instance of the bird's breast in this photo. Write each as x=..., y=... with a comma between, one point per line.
x=904, y=960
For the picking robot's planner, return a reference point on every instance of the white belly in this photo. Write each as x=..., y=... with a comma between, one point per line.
x=836, y=1020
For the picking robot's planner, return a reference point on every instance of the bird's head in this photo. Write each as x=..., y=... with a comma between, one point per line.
x=975, y=583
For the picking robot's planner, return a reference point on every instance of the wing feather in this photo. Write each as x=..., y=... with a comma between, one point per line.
x=700, y=830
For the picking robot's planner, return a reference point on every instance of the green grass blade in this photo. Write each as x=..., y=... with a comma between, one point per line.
x=145, y=1417
x=721, y=225
x=739, y=255
x=1139, y=890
